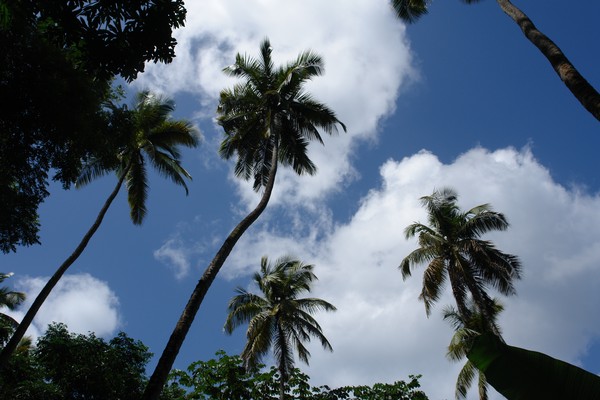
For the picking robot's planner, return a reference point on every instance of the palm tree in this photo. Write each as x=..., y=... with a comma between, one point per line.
x=452, y=248
x=8, y=299
x=466, y=330
x=584, y=92
x=268, y=119
x=278, y=319
x=154, y=138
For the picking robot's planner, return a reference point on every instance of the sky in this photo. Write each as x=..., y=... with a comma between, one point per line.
x=460, y=99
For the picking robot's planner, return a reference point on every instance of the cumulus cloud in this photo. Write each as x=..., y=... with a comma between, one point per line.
x=82, y=302
x=367, y=61
x=380, y=331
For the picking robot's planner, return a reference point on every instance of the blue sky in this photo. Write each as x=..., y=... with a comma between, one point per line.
x=458, y=99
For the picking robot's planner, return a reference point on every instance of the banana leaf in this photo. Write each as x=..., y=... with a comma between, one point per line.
x=520, y=374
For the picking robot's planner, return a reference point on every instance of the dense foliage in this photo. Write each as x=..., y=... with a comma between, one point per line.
x=65, y=365
x=225, y=378
x=57, y=63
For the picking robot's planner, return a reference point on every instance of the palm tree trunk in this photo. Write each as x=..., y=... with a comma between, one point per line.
x=283, y=368
x=459, y=295
x=281, y=385
x=581, y=88
x=165, y=363
x=43, y=295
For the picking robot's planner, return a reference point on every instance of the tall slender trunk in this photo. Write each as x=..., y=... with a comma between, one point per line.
x=165, y=363
x=43, y=295
x=281, y=385
x=283, y=370
x=579, y=87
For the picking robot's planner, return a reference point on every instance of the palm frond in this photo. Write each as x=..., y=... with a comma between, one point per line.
x=282, y=349
x=465, y=380
x=10, y=299
x=136, y=183
x=312, y=305
x=260, y=340
x=242, y=308
x=417, y=228
x=150, y=110
x=171, y=134
x=410, y=10
x=483, y=222
x=434, y=279
x=170, y=168
x=91, y=170
x=416, y=257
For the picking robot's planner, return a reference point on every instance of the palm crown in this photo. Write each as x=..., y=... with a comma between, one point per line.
x=279, y=319
x=152, y=136
x=451, y=246
x=270, y=112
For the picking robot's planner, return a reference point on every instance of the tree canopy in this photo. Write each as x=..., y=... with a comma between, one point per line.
x=57, y=63
x=65, y=365
x=226, y=378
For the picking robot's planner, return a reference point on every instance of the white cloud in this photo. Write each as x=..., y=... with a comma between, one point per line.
x=174, y=254
x=367, y=61
x=84, y=303
x=380, y=332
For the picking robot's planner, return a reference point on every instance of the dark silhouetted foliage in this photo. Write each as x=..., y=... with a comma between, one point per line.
x=57, y=62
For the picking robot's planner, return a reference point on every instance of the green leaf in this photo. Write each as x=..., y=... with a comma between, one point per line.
x=518, y=373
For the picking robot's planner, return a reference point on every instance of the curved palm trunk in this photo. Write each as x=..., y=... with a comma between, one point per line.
x=581, y=88
x=165, y=363
x=43, y=295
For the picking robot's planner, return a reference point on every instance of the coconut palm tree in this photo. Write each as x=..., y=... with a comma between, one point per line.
x=584, y=92
x=153, y=138
x=278, y=319
x=8, y=299
x=268, y=119
x=466, y=330
x=451, y=246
